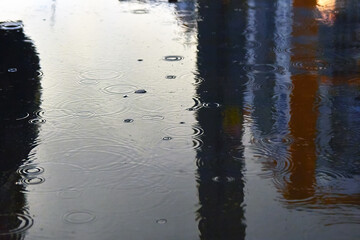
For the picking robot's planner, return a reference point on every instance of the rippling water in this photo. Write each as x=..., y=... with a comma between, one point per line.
x=186, y=119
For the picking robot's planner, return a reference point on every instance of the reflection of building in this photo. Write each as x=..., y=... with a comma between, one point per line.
x=311, y=136
x=220, y=159
x=20, y=99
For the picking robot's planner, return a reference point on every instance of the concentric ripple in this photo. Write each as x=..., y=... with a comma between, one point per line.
x=183, y=131
x=100, y=74
x=140, y=11
x=55, y=177
x=91, y=107
x=11, y=25
x=14, y=223
x=181, y=144
x=120, y=89
x=263, y=68
x=79, y=217
x=173, y=58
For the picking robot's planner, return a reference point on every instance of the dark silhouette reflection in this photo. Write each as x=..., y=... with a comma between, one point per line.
x=20, y=99
x=220, y=159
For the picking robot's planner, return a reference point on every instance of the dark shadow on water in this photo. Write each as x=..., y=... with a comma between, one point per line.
x=220, y=159
x=20, y=99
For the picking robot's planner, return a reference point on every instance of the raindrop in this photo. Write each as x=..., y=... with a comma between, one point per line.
x=79, y=217
x=161, y=221
x=140, y=91
x=12, y=70
x=14, y=223
x=128, y=120
x=173, y=58
x=11, y=25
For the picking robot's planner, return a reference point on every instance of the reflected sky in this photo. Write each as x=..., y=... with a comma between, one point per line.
x=196, y=119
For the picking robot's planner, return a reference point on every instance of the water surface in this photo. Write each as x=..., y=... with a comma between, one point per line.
x=187, y=120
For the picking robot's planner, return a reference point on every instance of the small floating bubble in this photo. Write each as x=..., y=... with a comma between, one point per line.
x=14, y=223
x=173, y=58
x=11, y=25
x=170, y=77
x=79, y=217
x=128, y=120
x=12, y=70
x=161, y=221
x=140, y=91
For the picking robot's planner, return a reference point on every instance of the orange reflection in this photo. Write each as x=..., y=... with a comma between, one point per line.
x=326, y=9
x=303, y=117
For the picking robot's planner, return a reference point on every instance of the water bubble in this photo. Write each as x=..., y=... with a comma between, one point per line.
x=79, y=217
x=170, y=77
x=161, y=221
x=12, y=70
x=14, y=223
x=140, y=91
x=173, y=58
x=11, y=25
x=128, y=120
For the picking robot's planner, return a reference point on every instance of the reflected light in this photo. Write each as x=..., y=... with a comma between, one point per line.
x=326, y=9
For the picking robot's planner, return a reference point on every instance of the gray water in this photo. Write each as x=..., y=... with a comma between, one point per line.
x=188, y=120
